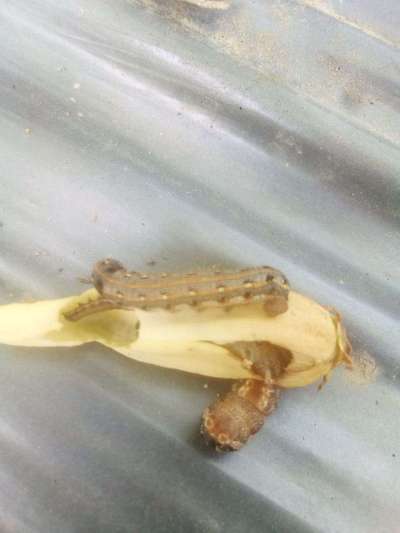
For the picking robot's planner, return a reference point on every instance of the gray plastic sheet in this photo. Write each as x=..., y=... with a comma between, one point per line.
x=263, y=132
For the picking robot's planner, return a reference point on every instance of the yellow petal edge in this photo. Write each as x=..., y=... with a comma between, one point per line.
x=188, y=339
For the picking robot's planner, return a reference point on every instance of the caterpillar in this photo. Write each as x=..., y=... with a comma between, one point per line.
x=120, y=289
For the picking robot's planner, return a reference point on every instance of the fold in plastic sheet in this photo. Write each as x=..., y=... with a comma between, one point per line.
x=159, y=131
